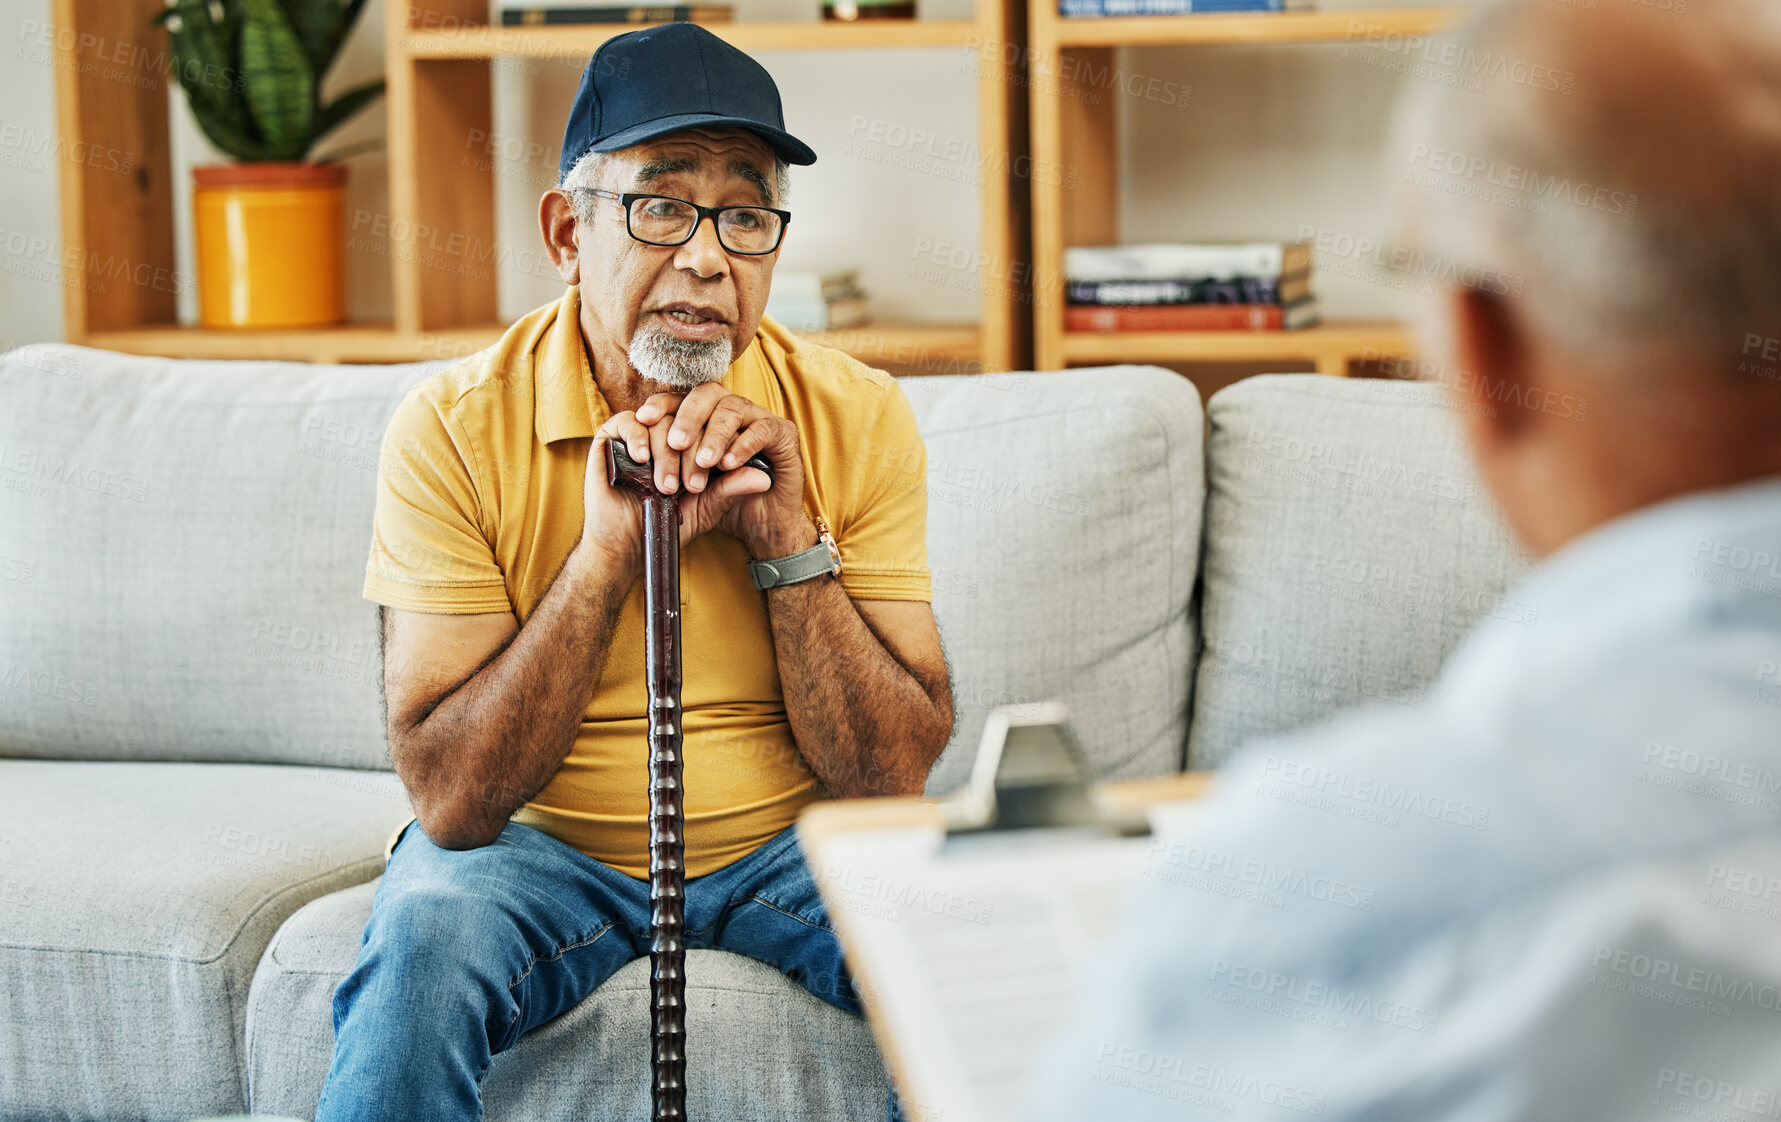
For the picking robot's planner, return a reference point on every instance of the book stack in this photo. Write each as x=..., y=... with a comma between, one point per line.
x=1094, y=9
x=554, y=15
x=1203, y=286
x=817, y=301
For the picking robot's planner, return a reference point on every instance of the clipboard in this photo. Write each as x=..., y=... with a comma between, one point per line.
x=965, y=919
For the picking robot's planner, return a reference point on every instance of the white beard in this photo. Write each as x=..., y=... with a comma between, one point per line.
x=677, y=363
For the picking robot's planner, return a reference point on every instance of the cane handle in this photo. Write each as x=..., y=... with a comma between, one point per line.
x=639, y=475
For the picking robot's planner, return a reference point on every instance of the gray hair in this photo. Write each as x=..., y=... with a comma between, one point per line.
x=1593, y=197
x=589, y=173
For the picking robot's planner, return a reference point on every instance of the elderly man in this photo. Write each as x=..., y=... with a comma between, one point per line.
x=513, y=624
x=1601, y=942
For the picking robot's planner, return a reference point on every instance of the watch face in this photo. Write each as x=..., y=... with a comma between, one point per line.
x=834, y=551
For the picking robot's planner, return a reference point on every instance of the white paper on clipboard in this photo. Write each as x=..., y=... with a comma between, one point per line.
x=966, y=953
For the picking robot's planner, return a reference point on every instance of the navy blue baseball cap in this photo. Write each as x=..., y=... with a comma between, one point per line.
x=643, y=84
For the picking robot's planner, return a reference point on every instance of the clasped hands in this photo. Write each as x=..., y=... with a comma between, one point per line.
x=698, y=442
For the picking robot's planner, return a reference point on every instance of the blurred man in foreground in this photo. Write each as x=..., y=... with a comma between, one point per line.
x=1603, y=941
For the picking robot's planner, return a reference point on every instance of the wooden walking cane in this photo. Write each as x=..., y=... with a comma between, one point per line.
x=667, y=818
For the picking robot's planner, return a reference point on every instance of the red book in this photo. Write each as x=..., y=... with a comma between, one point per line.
x=1190, y=317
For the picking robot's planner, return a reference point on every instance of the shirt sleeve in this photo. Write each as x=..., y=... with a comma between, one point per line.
x=428, y=550
x=884, y=535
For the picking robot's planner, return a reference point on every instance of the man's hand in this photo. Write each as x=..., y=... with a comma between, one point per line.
x=866, y=686
x=698, y=443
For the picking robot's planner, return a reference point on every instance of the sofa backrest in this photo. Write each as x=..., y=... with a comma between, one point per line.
x=1063, y=535
x=1349, y=546
x=182, y=546
x=181, y=550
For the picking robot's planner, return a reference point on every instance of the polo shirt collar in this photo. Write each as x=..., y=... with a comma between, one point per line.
x=568, y=404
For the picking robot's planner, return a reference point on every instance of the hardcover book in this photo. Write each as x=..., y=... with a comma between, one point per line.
x=1094, y=9
x=553, y=16
x=819, y=315
x=1174, y=261
x=1191, y=290
x=1193, y=317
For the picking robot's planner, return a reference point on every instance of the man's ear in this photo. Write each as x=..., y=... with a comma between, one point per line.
x=556, y=221
x=1491, y=354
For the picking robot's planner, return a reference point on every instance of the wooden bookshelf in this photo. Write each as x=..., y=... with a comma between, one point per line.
x=439, y=55
x=1073, y=128
x=438, y=59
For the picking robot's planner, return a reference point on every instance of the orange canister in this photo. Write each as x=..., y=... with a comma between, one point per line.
x=270, y=244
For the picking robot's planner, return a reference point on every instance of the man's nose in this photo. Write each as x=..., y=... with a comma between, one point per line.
x=703, y=254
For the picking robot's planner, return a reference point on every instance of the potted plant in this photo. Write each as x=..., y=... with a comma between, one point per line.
x=269, y=229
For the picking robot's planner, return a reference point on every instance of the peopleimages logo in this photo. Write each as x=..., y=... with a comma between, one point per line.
x=1706, y=765
x=1719, y=1092
x=44, y=473
x=1197, y=867
x=1293, y=672
x=46, y=683
x=1521, y=180
x=1334, y=246
x=1754, y=884
x=1144, y=1070
x=1259, y=982
x=1375, y=792
x=1353, y=461
x=865, y=888
x=1661, y=971
x=1738, y=558
x=1461, y=59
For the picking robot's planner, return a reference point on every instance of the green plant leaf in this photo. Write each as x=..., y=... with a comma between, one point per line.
x=252, y=71
x=318, y=25
x=203, y=58
x=230, y=135
x=280, y=86
x=344, y=106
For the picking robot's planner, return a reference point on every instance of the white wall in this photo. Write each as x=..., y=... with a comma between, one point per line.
x=1270, y=140
x=30, y=298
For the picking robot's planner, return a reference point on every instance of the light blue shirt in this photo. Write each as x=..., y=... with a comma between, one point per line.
x=1554, y=893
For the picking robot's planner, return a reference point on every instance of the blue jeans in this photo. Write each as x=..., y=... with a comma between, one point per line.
x=467, y=950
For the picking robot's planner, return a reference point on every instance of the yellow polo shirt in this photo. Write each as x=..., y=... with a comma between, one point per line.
x=479, y=502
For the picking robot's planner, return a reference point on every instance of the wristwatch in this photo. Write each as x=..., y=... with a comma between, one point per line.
x=823, y=558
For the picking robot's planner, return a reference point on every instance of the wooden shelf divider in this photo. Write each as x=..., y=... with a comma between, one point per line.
x=1330, y=347
x=117, y=259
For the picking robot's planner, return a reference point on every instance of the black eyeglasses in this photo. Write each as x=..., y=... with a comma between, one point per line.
x=666, y=220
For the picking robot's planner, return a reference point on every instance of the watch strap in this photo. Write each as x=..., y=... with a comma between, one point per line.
x=816, y=561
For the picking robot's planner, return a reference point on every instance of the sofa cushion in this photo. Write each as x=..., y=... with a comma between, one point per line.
x=1349, y=546
x=182, y=557
x=135, y=901
x=1064, y=536
x=759, y=1046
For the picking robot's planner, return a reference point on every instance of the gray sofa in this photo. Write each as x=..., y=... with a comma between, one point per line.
x=195, y=783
